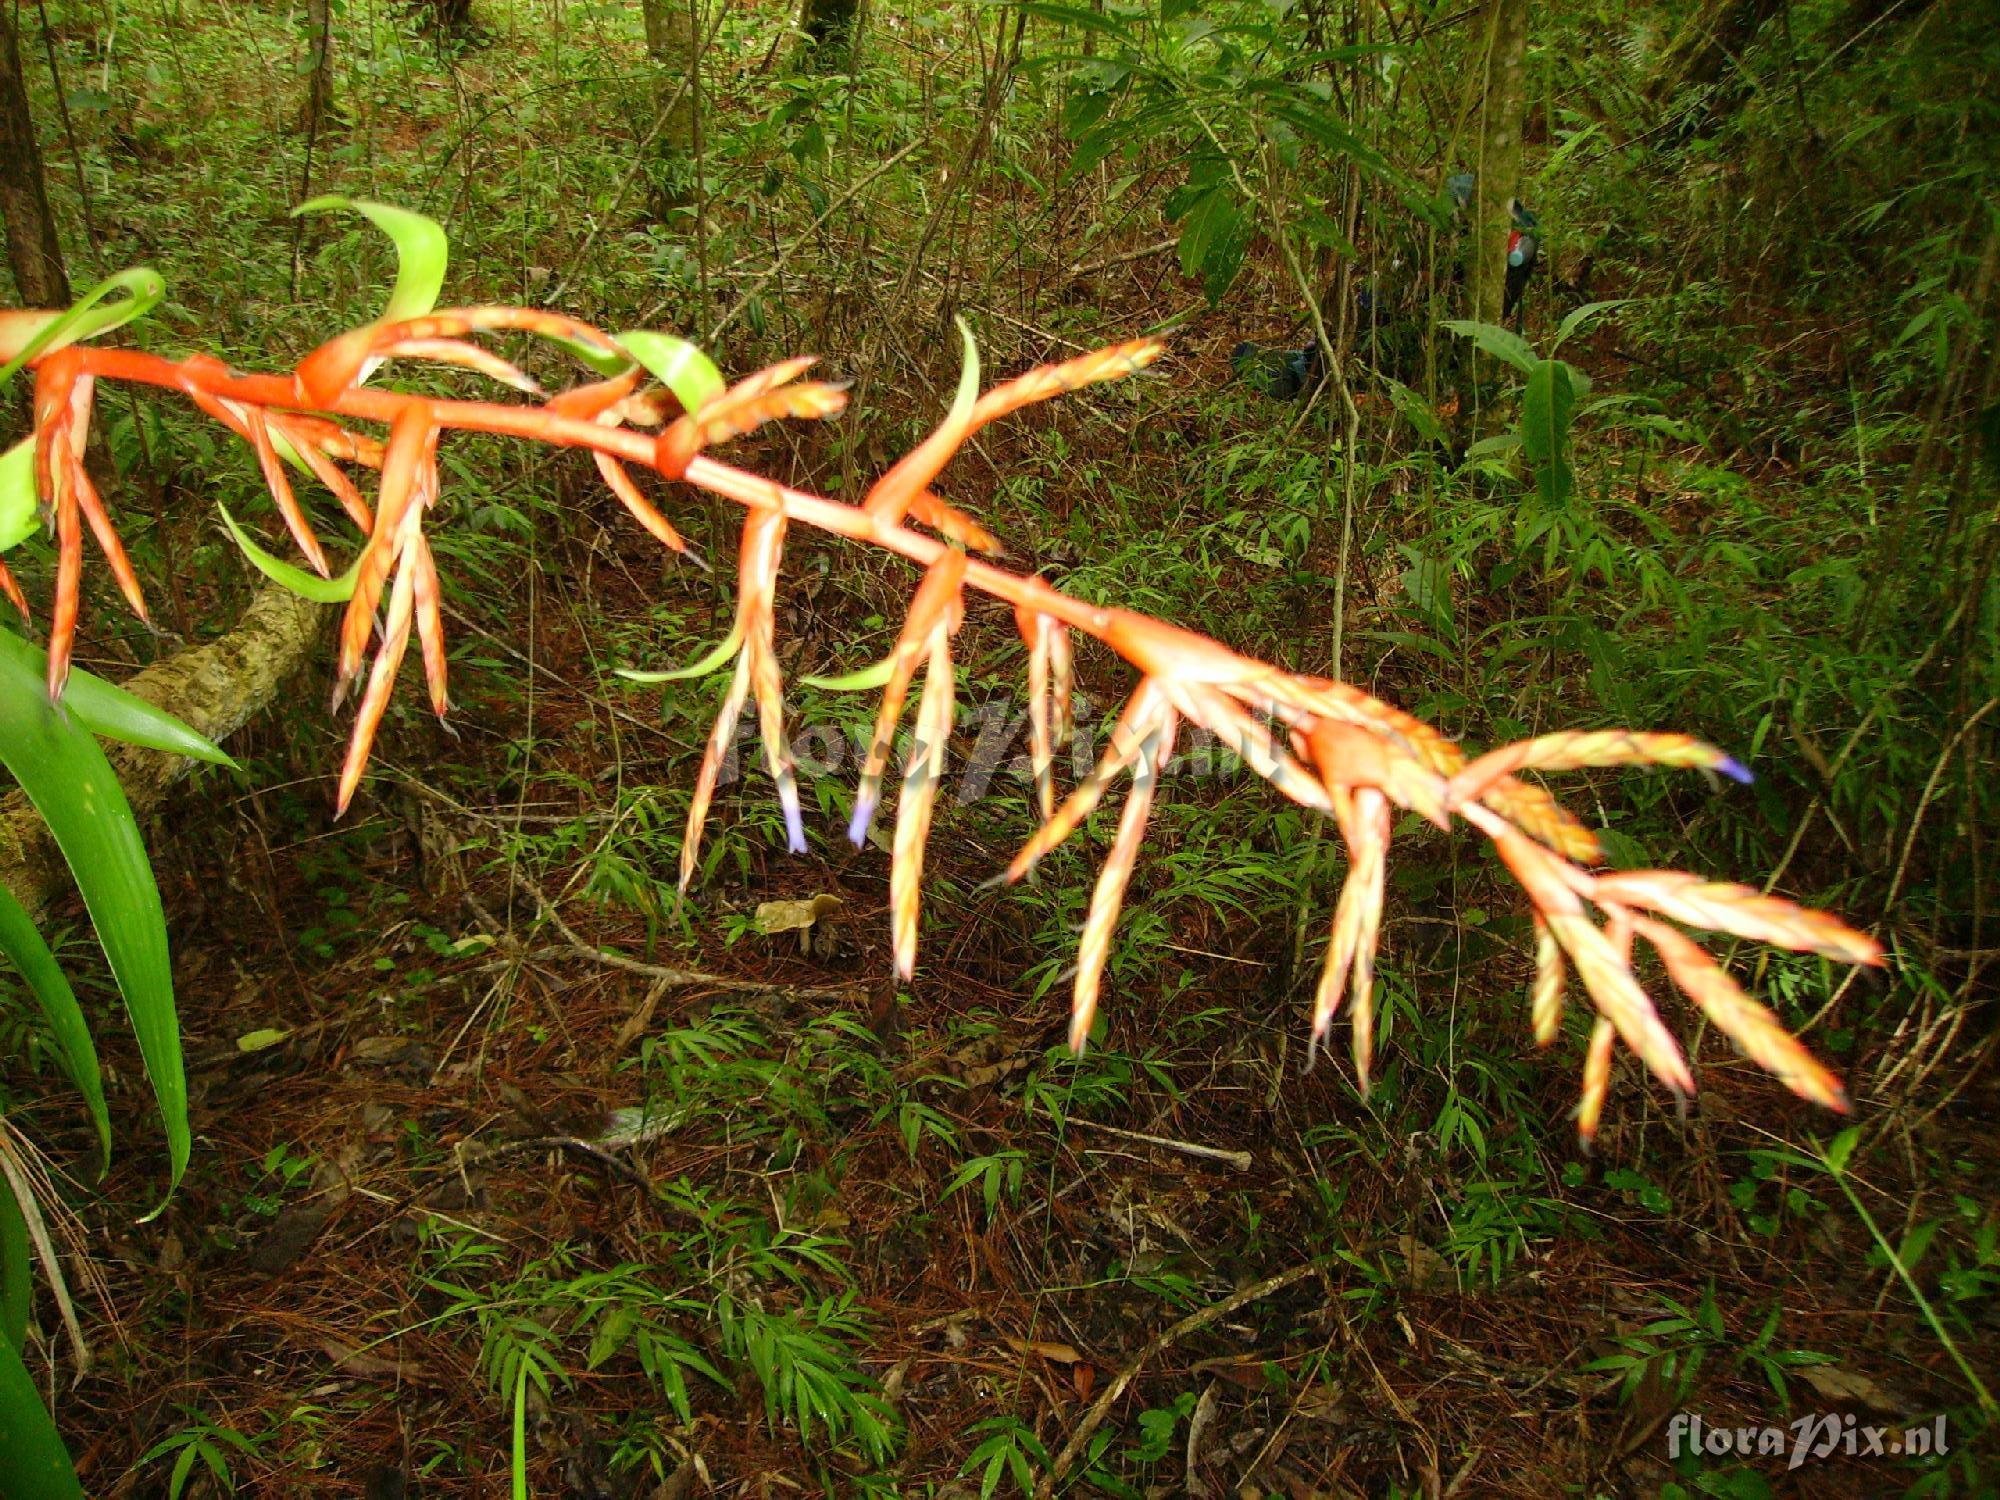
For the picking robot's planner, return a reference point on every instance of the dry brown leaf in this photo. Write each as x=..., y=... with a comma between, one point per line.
x=794, y=916
x=1838, y=1383
x=359, y=1362
x=1060, y=1354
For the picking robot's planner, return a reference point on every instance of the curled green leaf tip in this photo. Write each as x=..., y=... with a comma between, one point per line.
x=714, y=661
x=298, y=580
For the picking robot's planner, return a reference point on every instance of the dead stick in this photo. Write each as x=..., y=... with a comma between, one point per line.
x=1240, y=1160
x=1192, y=1323
x=660, y=972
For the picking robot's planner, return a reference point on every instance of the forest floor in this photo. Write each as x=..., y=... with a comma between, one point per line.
x=697, y=1207
x=1303, y=1301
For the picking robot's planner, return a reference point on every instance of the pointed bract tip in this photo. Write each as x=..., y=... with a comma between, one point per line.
x=862, y=821
x=1735, y=770
x=795, y=829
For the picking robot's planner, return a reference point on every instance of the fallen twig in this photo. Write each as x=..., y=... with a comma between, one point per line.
x=661, y=973
x=1192, y=1323
x=1240, y=1160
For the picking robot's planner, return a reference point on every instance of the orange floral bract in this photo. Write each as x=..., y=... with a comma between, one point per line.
x=1328, y=746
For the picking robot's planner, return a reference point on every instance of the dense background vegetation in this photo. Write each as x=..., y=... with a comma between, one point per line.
x=810, y=1231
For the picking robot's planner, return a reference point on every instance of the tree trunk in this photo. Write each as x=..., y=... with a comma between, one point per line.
x=317, y=113
x=671, y=39
x=1502, y=79
x=831, y=28
x=33, y=251
x=217, y=689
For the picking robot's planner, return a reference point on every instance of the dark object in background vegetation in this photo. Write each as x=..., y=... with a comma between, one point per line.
x=1281, y=374
x=831, y=31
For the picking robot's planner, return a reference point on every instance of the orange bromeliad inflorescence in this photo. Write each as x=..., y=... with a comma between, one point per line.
x=1326, y=745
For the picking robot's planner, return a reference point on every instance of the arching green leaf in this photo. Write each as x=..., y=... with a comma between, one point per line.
x=108, y=710
x=856, y=682
x=23, y=943
x=1501, y=343
x=298, y=580
x=714, y=661
x=20, y=511
x=677, y=365
x=421, y=251
x=85, y=319
x=968, y=379
x=1583, y=315
x=64, y=773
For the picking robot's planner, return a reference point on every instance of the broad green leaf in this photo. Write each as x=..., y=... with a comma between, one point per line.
x=856, y=682
x=34, y=1465
x=107, y=709
x=1208, y=217
x=421, y=251
x=1583, y=315
x=23, y=943
x=1497, y=446
x=20, y=509
x=85, y=319
x=1501, y=343
x=1082, y=18
x=16, y=1270
x=1416, y=411
x=715, y=660
x=678, y=365
x=306, y=585
x=59, y=765
x=1545, y=415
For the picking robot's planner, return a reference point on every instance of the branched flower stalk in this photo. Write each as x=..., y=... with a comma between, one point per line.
x=1326, y=745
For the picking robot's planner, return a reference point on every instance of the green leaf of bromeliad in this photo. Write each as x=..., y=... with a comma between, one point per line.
x=85, y=319
x=678, y=365
x=34, y=1465
x=422, y=251
x=65, y=775
x=109, y=710
x=20, y=509
x=298, y=580
x=23, y=943
x=714, y=661
x=865, y=680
